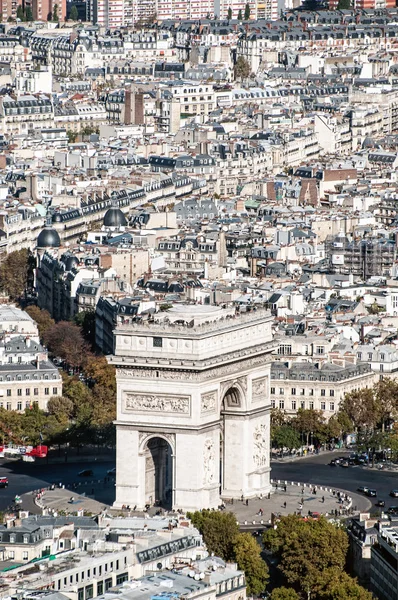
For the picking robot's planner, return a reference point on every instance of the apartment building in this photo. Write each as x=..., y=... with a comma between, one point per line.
x=26, y=113
x=384, y=563
x=27, y=376
x=315, y=386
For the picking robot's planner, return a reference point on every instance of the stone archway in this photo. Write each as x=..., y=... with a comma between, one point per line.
x=230, y=449
x=158, y=455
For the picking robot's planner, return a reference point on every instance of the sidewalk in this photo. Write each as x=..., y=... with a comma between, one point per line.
x=249, y=515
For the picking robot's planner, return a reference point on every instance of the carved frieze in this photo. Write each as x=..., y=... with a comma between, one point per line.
x=208, y=402
x=259, y=389
x=260, y=445
x=157, y=403
x=209, y=461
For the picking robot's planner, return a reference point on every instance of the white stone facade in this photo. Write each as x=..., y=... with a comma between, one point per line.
x=199, y=381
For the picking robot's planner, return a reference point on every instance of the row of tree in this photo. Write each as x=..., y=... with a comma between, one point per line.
x=370, y=412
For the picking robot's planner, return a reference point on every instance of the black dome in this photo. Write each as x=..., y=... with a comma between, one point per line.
x=70, y=262
x=114, y=218
x=48, y=238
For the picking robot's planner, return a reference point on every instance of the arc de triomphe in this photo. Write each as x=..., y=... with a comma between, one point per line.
x=193, y=410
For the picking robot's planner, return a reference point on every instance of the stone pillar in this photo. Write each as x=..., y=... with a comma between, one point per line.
x=130, y=469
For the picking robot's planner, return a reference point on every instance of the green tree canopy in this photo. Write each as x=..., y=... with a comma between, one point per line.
x=344, y=5
x=240, y=18
x=248, y=557
x=286, y=437
x=55, y=16
x=65, y=339
x=309, y=421
x=340, y=586
x=247, y=12
x=15, y=271
x=242, y=68
x=74, y=15
x=305, y=549
x=28, y=14
x=284, y=593
x=86, y=321
x=20, y=13
x=229, y=13
x=42, y=318
x=219, y=530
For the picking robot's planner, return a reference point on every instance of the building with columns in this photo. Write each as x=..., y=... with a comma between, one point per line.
x=193, y=408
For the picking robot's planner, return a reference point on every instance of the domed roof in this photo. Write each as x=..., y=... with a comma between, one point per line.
x=70, y=262
x=48, y=238
x=114, y=218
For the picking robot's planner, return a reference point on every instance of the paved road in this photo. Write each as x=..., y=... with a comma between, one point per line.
x=25, y=477
x=315, y=470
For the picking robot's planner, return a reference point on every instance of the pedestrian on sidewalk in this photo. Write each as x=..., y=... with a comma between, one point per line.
x=285, y=488
x=284, y=504
x=323, y=499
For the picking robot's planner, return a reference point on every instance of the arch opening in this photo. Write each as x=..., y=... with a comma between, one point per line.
x=231, y=400
x=158, y=473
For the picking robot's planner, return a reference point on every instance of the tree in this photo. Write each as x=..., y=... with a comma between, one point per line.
x=15, y=271
x=284, y=593
x=340, y=586
x=306, y=549
x=64, y=339
x=42, y=318
x=50, y=16
x=72, y=135
x=55, y=13
x=248, y=557
x=386, y=395
x=20, y=13
x=61, y=407
x=344, y=5
x=286, y=437
x=362, y=408
x=309, y=421
x=28, y=14
x=247, y=12
x=74, y=15
x=219, y=531
x=86, y=321
x=242, y=68
x=229, y=13
x=240, y=18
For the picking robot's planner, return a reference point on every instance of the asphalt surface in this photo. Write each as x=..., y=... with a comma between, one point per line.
x=315, y=470
x=25, y=477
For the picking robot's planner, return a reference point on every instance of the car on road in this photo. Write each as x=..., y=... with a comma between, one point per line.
x=392, y=510
x=345, y=464
x=394, y=493
x=380, y=503
x=333, y=463
x=3, y=482
x=111, y=472
x=371, y=493
x=362, y=489
x=86, y=473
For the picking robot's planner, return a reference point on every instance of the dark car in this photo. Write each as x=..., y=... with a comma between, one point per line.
x=394, y=493
x=86, y=473
x=393, y=510
x=332, y=463
x=363, y=489
x=344, y=464
x=371, y=493
x=380, y=503
x=3, y=482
